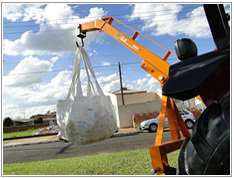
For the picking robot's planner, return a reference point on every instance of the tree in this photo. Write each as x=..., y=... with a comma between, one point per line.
x=7, y=122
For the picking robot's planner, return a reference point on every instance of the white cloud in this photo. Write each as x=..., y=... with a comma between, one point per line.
x=227, y=8
x=95, y=12
x=24, y=12
x=42, y=97
x=54, y=90
x=58, y=12
x=37, y=98
x=12, y=12
x=106, y=63
x=109, y=82
x=54, y=59
x=146, y=83
x=28, y=71
x=193, y=24
x=92, y=52
x=57, y=28
x=40, y=43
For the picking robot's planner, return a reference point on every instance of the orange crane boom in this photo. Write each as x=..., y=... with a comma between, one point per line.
x=158, y=68
x=152, y=63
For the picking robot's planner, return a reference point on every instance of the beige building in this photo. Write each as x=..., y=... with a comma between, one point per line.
x=134, y=102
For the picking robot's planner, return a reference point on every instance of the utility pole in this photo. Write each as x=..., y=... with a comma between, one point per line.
x=121, y=84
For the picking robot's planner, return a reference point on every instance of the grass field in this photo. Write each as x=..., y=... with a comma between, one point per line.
x=19, y=134
x=134, y=162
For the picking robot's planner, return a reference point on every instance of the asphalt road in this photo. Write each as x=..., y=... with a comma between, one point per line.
x=61, y=150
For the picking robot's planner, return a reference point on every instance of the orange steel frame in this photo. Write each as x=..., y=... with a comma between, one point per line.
x=158, y=68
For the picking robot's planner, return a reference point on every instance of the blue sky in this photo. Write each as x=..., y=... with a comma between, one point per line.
x=41, y=37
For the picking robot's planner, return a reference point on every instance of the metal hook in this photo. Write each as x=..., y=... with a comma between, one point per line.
x=81, y=35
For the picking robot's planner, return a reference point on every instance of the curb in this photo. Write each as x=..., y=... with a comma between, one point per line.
x=125, y=134
x=52, y=141
x=24, y=144
x=32, y=136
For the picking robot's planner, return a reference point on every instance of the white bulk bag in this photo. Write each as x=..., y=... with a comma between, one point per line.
x=85, y=119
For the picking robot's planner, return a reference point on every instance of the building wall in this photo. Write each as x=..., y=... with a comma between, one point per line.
x=134, y=103
x=137, y=98
x=126, y=111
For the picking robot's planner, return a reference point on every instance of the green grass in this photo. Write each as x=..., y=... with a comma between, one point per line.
x=134, y=162
x=19, y=134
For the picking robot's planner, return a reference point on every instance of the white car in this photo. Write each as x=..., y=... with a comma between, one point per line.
x=152, y=124
x=188, y=118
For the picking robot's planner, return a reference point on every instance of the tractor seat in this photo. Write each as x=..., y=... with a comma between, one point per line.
x=188, y=76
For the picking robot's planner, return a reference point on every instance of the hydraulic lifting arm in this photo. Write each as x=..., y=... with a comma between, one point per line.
x=152, y=63
x=158, y=68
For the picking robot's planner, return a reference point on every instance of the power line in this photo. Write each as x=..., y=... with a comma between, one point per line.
x=73, y=18
x=115, y=14
x=56, y=23
x=157, y=43
x=62, y=69
x=74, y=28
x=97, y=66
x=76, y=25
x=45, y=31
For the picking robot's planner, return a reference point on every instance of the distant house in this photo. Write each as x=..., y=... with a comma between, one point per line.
x=134, y=102
x=23, y=122
x=8, y=122
x=35, y=121
x=38, y=121
x=48, y=118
